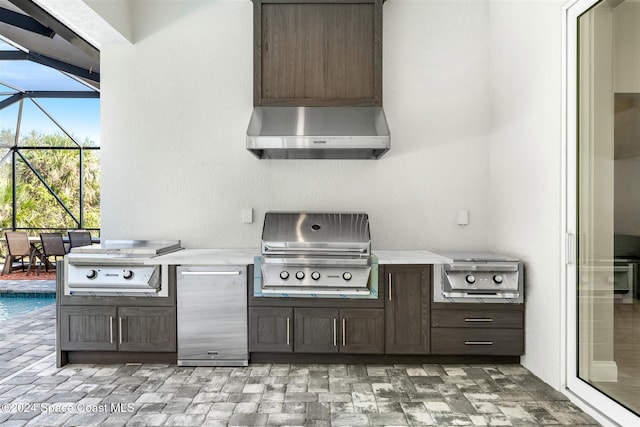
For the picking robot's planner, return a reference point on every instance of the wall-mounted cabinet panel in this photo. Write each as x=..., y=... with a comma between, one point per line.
x=318, y=53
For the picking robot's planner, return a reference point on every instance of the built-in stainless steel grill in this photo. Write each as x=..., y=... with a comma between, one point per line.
x=479, y=277
x=117, y=268
x=307, y=254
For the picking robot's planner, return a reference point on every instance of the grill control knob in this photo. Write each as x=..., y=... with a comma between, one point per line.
x=346, y=276
x=470, y=278
x=128, y=275
x=92, y=274
x=300, y=275
x=284, y=275
x=497, y=279
x=315, y=275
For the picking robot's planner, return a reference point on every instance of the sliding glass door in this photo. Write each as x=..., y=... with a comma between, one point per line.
x=604, y=296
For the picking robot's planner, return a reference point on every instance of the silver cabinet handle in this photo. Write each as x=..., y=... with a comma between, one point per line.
x=478, y=343
x=288, y=331
x=335, y=334
x=110, y=329
x=478, y=319
x=210, y=273
x=120, y=329
x=344, y=332
x=390, y=286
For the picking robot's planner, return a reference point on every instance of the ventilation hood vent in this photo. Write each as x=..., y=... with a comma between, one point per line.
x=318, y=133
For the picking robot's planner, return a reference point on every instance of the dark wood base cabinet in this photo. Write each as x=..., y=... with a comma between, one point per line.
x=270, y=329
x=136, y=329
x=316, y=330
x=477, y=329
x=408, y=296
x=469, y=341
x=401, y=326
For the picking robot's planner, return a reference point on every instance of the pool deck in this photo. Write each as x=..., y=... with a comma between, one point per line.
x=34, y=392
x=32, y=287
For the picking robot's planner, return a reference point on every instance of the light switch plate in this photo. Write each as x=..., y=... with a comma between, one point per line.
x=463, y=217
x=247, y=215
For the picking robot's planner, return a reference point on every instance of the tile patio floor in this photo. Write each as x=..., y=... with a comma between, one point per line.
x=34, y=392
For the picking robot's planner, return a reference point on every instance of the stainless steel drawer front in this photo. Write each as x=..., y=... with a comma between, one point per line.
x=212, y=316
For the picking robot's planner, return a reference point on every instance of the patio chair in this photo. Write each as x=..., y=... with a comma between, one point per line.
x=18, y=248
x=52, y=246
x=79, y=238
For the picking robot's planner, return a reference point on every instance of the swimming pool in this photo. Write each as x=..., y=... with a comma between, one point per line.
x=17, y=305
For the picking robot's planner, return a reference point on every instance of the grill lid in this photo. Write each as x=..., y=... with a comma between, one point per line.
x=310, y=233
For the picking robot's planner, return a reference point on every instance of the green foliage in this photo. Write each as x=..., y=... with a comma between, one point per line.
x=60, y=169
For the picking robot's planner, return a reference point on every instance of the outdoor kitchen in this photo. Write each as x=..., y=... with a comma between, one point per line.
x=344, y=213
x=340, y=299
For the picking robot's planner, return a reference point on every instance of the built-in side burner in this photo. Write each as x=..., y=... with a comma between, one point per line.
x=117, y=268
x=479, y=277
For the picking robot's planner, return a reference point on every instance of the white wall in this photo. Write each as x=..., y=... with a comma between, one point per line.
x=176, y=104
x=524, y=164
x=472, y=94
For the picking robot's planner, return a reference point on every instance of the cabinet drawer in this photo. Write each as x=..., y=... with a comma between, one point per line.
x=455, y=341
x=477, y=319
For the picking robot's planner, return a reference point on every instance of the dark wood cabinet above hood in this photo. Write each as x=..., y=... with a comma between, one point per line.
x=318, y=53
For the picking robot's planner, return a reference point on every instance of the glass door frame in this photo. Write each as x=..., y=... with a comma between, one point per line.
x=599, y=404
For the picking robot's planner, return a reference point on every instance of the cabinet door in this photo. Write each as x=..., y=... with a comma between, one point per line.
x=87, y=328
x=315, y=330
x=362, y=331
x=270, y=329
x=147, y=329
x=407, y=309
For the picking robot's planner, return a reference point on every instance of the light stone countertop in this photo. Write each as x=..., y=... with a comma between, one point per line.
x=242, y=256
x=245, y=256
x=409, y=257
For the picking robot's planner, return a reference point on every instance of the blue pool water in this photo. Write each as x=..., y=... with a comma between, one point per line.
x=15, y=306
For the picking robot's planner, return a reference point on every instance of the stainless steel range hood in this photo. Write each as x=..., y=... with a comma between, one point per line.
x=318, y=133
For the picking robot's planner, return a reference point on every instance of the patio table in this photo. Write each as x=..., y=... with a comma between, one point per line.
x=36, y=252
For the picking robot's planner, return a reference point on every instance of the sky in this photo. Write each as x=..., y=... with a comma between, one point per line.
x=79, y=117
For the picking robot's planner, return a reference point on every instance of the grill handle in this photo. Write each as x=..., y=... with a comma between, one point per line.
x=497, y=267
x=211, y=273
x=309, y=250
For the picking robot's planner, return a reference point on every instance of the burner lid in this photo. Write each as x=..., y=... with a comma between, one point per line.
x=477, y=256
x=132, y=247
